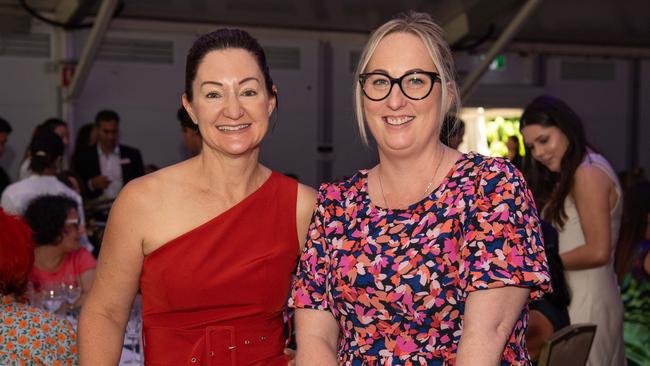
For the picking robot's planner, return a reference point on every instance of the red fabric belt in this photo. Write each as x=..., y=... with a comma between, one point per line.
x=237, y=343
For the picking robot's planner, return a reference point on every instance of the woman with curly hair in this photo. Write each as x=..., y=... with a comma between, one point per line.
x=57, y=230
x=28, y=335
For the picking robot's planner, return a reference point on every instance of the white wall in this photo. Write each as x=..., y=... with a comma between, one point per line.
x=602, y=106
x=29, y=95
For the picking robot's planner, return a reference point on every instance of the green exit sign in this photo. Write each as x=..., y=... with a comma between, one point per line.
x=499, y=63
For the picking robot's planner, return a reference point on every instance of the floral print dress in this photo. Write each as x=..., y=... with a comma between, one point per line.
x=396, y=280
x=31, y=336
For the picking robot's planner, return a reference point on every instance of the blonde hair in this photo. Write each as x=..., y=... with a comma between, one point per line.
x=432, y=35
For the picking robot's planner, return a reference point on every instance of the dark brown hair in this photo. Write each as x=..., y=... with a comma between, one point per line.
x=550, y=189
x=223, y=39
x=634, y=225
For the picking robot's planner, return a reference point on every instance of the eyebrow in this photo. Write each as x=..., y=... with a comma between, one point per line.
x=540, y=137
x=406, y=72
x=244, y=80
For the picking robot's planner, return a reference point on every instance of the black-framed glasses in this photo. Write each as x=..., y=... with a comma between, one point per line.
x=414, y=85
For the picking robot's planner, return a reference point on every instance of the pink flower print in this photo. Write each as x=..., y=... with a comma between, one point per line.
x=404, y=345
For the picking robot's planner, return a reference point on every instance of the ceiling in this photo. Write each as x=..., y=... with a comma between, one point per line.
x=584, y=22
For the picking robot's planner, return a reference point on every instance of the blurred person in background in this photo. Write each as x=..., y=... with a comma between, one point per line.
x=190, y=132
x=513, y=152
x=5, y=131
x=60, y=128
x=550, y=313
x=108, y=165
x=86, y=137
x=46, y=152
x=633, y=270
x=56, y=228
x=28, y=335
x=580, y=196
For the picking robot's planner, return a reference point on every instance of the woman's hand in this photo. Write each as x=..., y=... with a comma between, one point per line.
x=291, y=356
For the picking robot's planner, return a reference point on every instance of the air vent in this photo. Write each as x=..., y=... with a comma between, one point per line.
x=137, y=50
x=588, y=71
x=283, y=57
x=25, y=45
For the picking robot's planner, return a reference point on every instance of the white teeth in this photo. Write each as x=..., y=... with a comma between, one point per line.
x=396, y=121
x=233, y=128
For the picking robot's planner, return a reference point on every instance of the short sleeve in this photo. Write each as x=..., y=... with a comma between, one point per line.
x=83, y=261
x=503, y=238
x=309, y=289
x=8, y=205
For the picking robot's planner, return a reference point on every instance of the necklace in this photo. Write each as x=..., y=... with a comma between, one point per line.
x=426, y=190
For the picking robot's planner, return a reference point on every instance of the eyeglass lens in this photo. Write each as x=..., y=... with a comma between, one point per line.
x=413, y=85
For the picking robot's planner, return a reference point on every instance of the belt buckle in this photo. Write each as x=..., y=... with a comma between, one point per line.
x=220, y=345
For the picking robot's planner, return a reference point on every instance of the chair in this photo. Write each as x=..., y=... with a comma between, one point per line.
x=568, y=346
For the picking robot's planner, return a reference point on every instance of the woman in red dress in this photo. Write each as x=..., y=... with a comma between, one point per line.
x=212, y=241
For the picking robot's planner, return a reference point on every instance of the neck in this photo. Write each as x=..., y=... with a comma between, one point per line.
x=48, y=171
x=233, y=177
x=402, y=181
x=106, y=149
x=48, y=257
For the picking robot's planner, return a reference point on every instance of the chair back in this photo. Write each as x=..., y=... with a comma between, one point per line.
x=568, y=346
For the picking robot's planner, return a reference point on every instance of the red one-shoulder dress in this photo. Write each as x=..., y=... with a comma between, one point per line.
x=217, y=294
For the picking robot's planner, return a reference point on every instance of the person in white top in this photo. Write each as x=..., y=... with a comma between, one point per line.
x=581, y=197
x=56, y=125
x=46, y=154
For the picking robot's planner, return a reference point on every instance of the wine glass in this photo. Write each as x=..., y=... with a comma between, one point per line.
x=51, y=296
x=133, y=330
x=71, y=288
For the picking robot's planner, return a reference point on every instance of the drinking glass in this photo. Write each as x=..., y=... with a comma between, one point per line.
x=51, y=296
x=71, y=285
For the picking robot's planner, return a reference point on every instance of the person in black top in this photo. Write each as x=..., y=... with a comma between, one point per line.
x=550, y=313
x=5, y=130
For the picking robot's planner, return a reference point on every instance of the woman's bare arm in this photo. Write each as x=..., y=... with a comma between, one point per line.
x=591, y=193
x=106, y=309
x=489, y=318
x=304, y=209
x=317, y=335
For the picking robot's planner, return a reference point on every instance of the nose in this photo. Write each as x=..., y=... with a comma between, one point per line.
x=396, y=98
x=537, y=153
x=233, y=108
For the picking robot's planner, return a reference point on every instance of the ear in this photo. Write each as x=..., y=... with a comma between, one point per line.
x=188, y=107
x=273, y=100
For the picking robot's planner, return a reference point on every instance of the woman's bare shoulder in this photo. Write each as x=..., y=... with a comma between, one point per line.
x=158, y=185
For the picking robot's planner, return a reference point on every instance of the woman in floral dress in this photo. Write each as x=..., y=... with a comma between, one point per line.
x=430, y=256
x=28, y=335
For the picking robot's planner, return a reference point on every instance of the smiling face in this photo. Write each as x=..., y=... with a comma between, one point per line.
x=230, y=102
x=547, y=145
x=400, y=124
